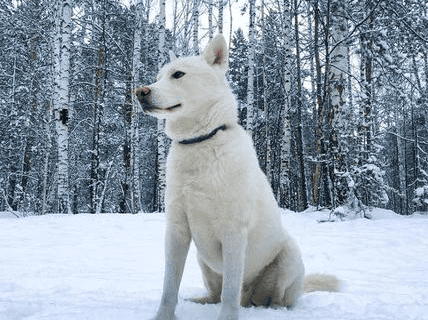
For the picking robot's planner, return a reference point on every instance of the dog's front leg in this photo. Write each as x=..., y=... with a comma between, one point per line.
x=177, y=242
x=234, y=246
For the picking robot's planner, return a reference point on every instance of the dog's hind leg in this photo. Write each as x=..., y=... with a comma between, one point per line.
x=262, y=290
x=291, y=274
x=213, y=282
x=279, y=284
x=294, y=291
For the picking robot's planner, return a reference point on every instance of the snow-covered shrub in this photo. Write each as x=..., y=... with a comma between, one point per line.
x=365, y=189
x=421, y=198
x=369, y=185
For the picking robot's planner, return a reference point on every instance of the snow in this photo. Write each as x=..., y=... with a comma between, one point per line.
x=110, y=267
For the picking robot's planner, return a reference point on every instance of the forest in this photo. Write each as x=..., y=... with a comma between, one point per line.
x=334, y=93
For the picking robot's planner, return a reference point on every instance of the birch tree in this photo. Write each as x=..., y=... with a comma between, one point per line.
x=62, y=106
x=266, y=165
x=288, y=88
x=175, y=24
x=366, y=69
x=251, y=66
x=337, y=99
x=195, y=18
x=161, y=138
x=366, y=103
x=210, y=19
x=220, y=15
x=127, y=192
x=302, y=202
x=99, y=9
x=27, y=154
x=320, y=191
x=135, y=137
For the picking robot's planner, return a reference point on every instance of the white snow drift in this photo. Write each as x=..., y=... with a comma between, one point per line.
x=110, y=267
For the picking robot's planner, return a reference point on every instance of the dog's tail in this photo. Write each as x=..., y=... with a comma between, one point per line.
x=321, y=282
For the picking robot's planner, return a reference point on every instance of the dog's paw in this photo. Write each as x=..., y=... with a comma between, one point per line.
x=228, y=316
x=205, y=300
x=164, y=315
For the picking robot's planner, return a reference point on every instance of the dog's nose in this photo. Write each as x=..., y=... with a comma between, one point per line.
x=144, y=97
x=142, y=92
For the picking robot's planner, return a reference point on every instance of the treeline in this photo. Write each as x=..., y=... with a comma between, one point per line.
x=335, y=94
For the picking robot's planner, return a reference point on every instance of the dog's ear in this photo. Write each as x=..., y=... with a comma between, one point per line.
x=216, y=53
x=172, y=56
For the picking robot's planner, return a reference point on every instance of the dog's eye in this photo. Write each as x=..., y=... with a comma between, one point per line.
x=178, y=74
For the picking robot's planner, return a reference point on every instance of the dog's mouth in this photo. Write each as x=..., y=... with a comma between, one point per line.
x=173, y=107
x=149, y=108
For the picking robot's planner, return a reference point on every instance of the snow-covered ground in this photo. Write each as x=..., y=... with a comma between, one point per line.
x=110, y=267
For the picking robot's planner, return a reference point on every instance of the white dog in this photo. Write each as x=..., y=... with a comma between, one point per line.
x=218, y=196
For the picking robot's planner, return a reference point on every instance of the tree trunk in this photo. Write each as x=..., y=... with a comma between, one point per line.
x=231, y=22
x=210, y=20
x=126, y=194
x=134, y=134
x=401, y=147
x=267, y=163
x=47, y=153
x=174, y=27
x=220, y=15
x=12, y=165
x=62, y=109
x=100, y=83
x=313, y=103
x=320, y=192
x=288, y=88
x=302, y=202
x=366, y=69
x=195, y=17
x=251, y=68
x=337, y=100
x=396, y=181
x=27, y=156
x=161, y=138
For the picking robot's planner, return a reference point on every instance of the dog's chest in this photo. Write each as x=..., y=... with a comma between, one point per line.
x=206, y=184
x=198, y=170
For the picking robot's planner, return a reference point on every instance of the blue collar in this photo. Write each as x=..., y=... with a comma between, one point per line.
x=203, y=137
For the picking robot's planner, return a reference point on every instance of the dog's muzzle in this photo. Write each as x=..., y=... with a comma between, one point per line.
x=144, y=97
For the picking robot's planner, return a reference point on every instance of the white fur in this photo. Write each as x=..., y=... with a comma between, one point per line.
x=218, y=197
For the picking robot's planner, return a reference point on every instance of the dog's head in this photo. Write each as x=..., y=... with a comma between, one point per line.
x=188, y=86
